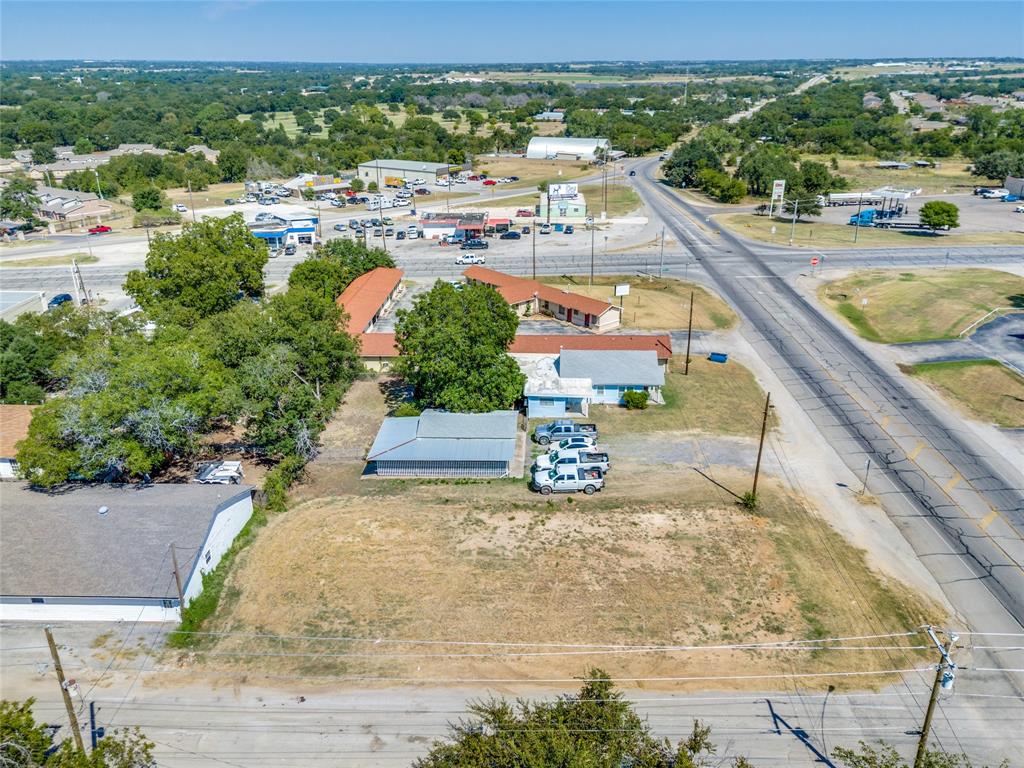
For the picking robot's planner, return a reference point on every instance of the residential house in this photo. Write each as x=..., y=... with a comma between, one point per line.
x=70, y=205
x=445, y=445
x=113, y=553
x=210, y=155
x=14, y=421
x=871, y=100
x=530, y=297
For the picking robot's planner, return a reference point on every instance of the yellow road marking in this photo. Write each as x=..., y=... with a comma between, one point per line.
x=952, y=482
x=916, y=452
x=988, y=520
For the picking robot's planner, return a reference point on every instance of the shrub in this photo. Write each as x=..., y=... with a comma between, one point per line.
x=156, y=218
x=636, y=401
x=279, y=480
x=407, y=409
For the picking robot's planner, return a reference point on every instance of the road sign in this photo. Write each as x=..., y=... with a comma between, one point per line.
x=814, y=261
x=778, y=189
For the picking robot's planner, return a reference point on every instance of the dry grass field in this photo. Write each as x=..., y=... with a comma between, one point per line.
x=661, y=556
x=920, y=305
x=531, y=172
x=656, y=304
x=951, y=175
x=985, y=389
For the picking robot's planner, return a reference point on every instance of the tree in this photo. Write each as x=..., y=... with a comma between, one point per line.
x=939, y=214
x=83, y=146
x=762, y=166
x=27, y=744
x=18, y=200
x=452, y=347
x=999, y=164
x=335, y=264
x=147, y=199
x=886, y=756
x=372, y=187
x=42, y=152
x=683, y=167
x=356, y=185
x=207, y=268
x=802, y=203
x=232, y=162
x=596, y=727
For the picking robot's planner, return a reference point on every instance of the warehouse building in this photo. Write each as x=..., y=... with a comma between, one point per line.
x=395, y=173
x=113, y=552
x=443, y=445
x=566, y=148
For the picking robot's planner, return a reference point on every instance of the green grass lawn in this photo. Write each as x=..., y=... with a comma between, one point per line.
x=621, y=199
x=920, y=305
x=59, y=260
x=986, y=389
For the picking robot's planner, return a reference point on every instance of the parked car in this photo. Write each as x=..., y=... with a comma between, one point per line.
x=474, y=245
x=469, y=258
x=220, y=473
x=400, y=234
x=353, y=224
x=340, y=228
x=572, y=443
x=180, y=207
x=100, y=229
x=1010, y=198
x=289, y=250
x=387, y=221
x=264, y=216
x=421, y=191
x=562, y=429
x=274, y=253
x=632, y=173
x=60, y=298
x=389, y=232
x=582, y=457
x=513, y=178
x=1019, y=209
x=545, y=229
x=569, y=229
x=992, y=194
x=474, y=177
x=510, y=235
x=525, y=230
x=412, y=228
x=229, y=201
x=570, y=481
x=524, y=213
x=490, y=182
x=378, y=232
x=339, y=203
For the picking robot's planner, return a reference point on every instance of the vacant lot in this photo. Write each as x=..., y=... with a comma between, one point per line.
x=656, y=304
x=951, y=175
x=531, y=172
x=212, y=196
x=621, y=199
x=921, y=305
x=986, y=389
x=819, y=234
x=661, y=557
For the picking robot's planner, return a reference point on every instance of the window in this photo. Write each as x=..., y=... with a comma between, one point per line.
x=207, y=557
x=167, y=603
x=38, y=600
x=546, y=401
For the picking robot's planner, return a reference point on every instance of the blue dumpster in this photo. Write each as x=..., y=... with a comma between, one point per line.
x=559, y=227
x=718, y=357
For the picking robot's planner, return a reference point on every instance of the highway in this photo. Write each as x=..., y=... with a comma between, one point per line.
x=959, y=505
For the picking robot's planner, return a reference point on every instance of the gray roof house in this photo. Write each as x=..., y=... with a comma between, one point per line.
x=442, y=444
x=104, y=552
x=628, y=367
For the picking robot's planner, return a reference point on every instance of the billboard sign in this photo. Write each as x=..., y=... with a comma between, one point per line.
x=562, y=191
x=622, y=289
x=778, y=189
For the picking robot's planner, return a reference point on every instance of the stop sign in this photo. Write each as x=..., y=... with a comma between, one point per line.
x=814, y=261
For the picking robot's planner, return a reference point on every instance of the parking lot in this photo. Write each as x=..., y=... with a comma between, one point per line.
x=977, y=215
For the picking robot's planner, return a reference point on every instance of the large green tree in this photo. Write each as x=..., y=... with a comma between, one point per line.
x=18, y=199
x=24, y=743
x=765, y=164
x=940, y=214
x=335, y=264
x=596, y=728
x=203, y=271
x=147, y=199
x=684, y=166
x=452, y=346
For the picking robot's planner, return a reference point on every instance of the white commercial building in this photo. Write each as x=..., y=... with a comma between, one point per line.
x=566, y=148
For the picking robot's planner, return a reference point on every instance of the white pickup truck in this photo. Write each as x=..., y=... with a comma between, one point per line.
x=574, y=457
x=567, y=481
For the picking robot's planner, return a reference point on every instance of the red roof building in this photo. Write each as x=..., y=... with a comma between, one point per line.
x=368, y=297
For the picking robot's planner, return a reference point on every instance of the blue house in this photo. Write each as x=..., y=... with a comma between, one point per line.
x=568, y=385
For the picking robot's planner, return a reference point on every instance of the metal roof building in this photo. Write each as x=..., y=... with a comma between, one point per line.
x=380, y=171
x=565, y=147
x=104, y=552
x=442, y=444
x=624, y=367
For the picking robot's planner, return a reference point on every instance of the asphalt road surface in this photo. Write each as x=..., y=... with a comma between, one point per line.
x=959, y=505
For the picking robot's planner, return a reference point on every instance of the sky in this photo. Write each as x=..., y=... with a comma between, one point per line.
x=481, y=31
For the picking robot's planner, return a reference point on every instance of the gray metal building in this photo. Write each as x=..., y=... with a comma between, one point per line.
x=441, y=444
x=379, y=171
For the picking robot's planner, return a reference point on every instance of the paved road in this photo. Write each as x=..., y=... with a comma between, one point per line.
x=960, y=506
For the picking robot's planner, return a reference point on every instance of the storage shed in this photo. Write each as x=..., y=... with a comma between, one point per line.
x=441, y=444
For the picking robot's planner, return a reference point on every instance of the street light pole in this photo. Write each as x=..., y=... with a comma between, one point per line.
x=661, y=264
x=792, y=228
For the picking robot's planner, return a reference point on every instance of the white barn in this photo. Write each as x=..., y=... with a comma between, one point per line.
x=103, y=552
x=566, y=148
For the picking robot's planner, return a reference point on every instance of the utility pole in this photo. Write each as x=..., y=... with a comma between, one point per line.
x=177, y=578
x=945, y=676
x=190, y=203
x=64, y=689
x=689, y=334
x=760, y=447
x=867, y=468
x=686, y=85
x=533, y=232
x=661, y=264
x=592, y=230
x=792, y=228
x=99, y=189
